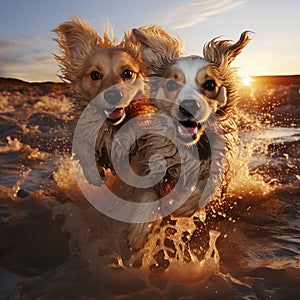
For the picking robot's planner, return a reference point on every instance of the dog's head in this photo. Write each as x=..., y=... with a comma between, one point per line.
x=192, y=88
x=99, y=68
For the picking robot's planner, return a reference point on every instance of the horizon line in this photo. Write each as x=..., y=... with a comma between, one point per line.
x=52, y=81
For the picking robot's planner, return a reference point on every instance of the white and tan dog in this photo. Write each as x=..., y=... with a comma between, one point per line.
x=198, y=96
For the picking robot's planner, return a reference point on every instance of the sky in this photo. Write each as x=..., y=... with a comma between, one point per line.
x=27, y=48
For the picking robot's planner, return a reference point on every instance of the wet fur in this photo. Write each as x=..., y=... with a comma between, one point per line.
x=82, y=52
x=155, y=54
x=215, y=65
x=167, y=49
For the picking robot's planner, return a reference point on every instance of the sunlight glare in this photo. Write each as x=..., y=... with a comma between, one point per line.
x=247, y=80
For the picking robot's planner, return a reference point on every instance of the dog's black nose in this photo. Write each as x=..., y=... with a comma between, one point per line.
x=113, y=96
x=189, y=107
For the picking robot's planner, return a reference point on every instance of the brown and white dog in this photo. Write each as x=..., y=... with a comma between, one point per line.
x=101, y=71
x=197, y=94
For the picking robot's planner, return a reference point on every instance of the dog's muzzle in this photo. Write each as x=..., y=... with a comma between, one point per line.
x=187, y=130
x=116, y=115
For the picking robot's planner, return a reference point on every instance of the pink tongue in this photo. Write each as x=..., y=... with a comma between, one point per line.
x=116, y=113
x=190, y=130
x=187, y=130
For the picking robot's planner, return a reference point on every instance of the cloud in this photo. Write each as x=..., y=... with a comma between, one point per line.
x=27, y=58
x=191, y=14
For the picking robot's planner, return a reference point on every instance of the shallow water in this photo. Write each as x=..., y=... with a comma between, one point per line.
x=55, y=245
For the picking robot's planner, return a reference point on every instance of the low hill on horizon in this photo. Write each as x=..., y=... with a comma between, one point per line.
x=13, y=85
x=278, y=79
x=265, y=79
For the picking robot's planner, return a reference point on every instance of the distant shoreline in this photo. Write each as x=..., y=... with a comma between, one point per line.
x=278, y=79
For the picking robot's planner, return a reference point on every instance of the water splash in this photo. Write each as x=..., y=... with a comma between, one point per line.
x=181, y=250
x=168, y=252
x=13, y=192
x=13, y=144
x=244, y=183
x=167, y=256
x=65, y=180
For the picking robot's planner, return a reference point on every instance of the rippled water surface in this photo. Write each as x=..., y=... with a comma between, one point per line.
x=55, y=245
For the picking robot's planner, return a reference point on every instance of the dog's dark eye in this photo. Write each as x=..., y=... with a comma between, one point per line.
x=209, y=85
x=127, y=73
x=172, y=85
x=95, y=75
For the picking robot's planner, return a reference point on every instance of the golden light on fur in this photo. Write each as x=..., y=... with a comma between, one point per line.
x=201, y=93
x=92, y=64
x=191, y=109
x=101, y=70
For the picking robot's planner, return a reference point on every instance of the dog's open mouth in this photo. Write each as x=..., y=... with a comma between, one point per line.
x=116, y=116
x=187, y=131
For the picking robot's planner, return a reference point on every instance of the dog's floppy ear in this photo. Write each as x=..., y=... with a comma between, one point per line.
x=234, y=50
x=76, y=38
x=157, y=47
x=219, y=51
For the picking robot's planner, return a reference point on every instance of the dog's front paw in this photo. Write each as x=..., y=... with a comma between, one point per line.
x=138, y=234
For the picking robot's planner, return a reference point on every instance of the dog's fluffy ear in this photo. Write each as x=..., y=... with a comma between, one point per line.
x=234, y=50
x=76, y=38
x=157, y=47
x=219, y=51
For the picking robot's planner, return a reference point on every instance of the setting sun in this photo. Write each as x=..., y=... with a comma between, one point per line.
x=247, y=80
